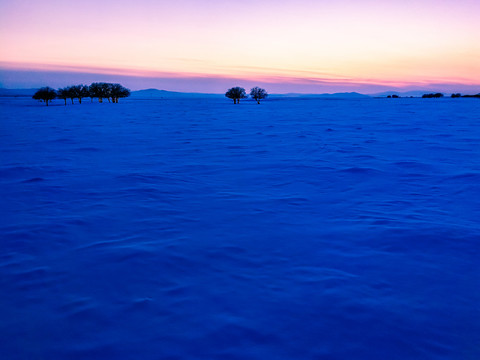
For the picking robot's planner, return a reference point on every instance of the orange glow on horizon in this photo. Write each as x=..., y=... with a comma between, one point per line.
x=264, y=75
x=358, y=42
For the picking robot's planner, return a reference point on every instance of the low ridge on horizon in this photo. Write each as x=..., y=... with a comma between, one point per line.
x=155, y=93
x=161, y=93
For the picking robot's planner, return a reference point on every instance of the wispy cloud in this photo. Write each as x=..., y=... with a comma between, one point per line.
x=35, y=75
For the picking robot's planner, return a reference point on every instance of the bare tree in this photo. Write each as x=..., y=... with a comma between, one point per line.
x=118, y=91
x=92, y=91
x=437, y=95
x=46, y=94
x=72, y=92
x=97, y=90
x=112, y=92
x=236, y=93
x=258, y=94
x=82, y=91
x=63, y=94
x=106, y=89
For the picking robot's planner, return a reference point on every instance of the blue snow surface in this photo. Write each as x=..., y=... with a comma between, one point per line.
x=200, y=229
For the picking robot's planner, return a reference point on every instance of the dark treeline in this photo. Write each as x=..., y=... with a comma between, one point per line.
x=111, y=92
x=457, y=95
x=437, y=95
x=466, y=96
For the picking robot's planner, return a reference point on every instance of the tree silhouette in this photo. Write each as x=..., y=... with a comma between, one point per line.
x=78, y=92
x=72, y=92
x=91, y=92
x=45, y=94
x=258, y=94
x=236, y=93
x=118, y=91
x=95, y=90
x=437, y=95
x=62, y=93
x=81, y=91
x=109, y=91
x=100, y=91
x=106, y=90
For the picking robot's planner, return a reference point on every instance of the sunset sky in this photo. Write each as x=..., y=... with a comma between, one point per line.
x=286, y=46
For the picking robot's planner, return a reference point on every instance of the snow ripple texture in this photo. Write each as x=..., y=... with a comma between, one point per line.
x=196, y=229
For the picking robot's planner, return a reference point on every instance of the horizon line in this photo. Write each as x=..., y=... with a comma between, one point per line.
x=137, y=79
x=392, y=92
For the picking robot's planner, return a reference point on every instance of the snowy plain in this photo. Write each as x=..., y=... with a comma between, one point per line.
x=199, y=229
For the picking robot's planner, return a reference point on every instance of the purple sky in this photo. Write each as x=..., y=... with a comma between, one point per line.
x=37, y=78
x=311, y=46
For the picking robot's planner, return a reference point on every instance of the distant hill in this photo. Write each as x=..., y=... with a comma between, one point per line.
x=415, y=93
x=164, y=94
x=17, y=92
x=344, y=95
x=140, y=94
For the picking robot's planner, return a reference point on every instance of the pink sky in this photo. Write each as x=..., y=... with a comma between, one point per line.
x=187, y=45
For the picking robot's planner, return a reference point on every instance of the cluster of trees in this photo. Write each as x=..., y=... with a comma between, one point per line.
x=437, y=95
x=440, y=95
x=237, y=93
x=465, y=96
x=109, y=91
x=46, y=94
x=457, y=95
